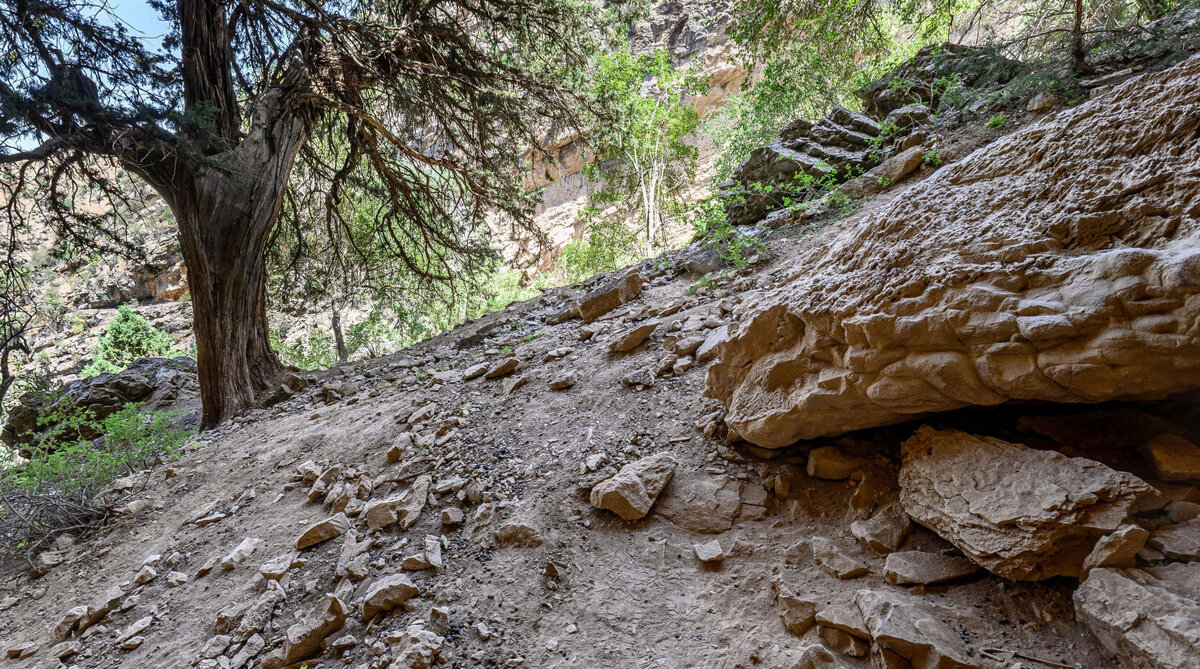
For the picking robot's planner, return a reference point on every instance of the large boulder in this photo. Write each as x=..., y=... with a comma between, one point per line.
x=158, y=383
x=1145, y=617
x=1058, y=264
x=1021, y=513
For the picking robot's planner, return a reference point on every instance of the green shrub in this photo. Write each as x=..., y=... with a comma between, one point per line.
x=75, y=461
x=734, y=246
x=997, y=121
x=128, y=338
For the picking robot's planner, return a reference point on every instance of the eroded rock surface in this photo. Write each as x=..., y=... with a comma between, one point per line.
x=1077, y=282
x=1021, y=513
x=1145, y=617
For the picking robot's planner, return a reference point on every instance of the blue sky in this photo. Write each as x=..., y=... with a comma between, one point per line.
x=140, y=17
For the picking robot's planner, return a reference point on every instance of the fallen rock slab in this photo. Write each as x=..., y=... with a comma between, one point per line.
x=1021, y=513
x=303, y=639
x=907, y=632
x=701, y=503
x=1173, y=458
x=1144, y=617
x=921, y=568
x=609, y=296
x=386, y=594
x=1180, y=541
x=1118, y=549
x=634, y=489
x=324, y=530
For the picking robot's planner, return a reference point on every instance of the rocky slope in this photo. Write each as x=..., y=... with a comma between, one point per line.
x=549, y=486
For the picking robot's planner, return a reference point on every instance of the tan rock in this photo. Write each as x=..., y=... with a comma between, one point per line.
x=1180, y=541
x=1118, y=549
x=933, y=302
x=475, y=371
x=827, y=462
x=303, y=639
x=711, y=347
x=384, y=512
x=68, y=622
x=632, y=492
x=709, y=552
x=176, y=579
x=518, y=532
x=1173, y=458
x=565, y=381
x=20, y=651
x=324, y=530
x=136, y=628
x=609, y=296
x=885, y=531
x=386, y=594
x=921, y=568
x=701, y=503
x=240, y=553
x=630, y=340
x=420, y=649
x=1021, y=513
x=906, y=631
x=798, y=614
x=502, y=368
x=1144, y=617
x=837, y=562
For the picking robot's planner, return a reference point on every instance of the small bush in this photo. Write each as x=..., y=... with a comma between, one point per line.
x=128, y=338
x=997, y=121
x=62, y=485
x=734, y=246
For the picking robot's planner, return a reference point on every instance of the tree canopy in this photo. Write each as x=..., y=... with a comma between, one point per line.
x=257, y=115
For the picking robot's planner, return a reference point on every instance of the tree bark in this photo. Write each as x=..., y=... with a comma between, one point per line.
x=225, y=209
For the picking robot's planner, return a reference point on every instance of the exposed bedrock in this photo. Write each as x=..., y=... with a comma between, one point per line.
x=1058, y=264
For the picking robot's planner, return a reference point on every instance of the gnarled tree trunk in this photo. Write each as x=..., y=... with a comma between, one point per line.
x=225, y=209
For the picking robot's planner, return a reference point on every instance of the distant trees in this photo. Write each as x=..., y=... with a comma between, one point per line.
x=256, y=111
x=643, y=155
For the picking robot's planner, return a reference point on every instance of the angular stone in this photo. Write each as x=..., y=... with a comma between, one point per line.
x=386, y=594
x=475, y=371
x=885, y=531
x=135, y=629
x=828, y=463
x=176, y=579
x=517, y=532
x=563, y=382
x=21, y=651
x=452, y=516
x=303, y=639
x=324, y=530
x=503, y=368
x=712, y=344
x=700, y=503
x=1021, y=513
x=1118, y=549
x=634, y=489
x=1179, y=542
x=1173, y=458
x=709, y=552
x=921, y=568
x=420, y=649
x=633, y=338
x=68, y=622
x=828, y=555
x=844, y=616
x=1144, y=617
x=798, y=614
x=906, y=632
x=609, y=296
x=383, y=513
x=241, y=553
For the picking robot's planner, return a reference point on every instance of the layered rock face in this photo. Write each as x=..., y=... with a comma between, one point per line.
x=1058, y=264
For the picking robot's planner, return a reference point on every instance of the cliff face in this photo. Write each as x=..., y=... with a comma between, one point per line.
x=693, y=33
